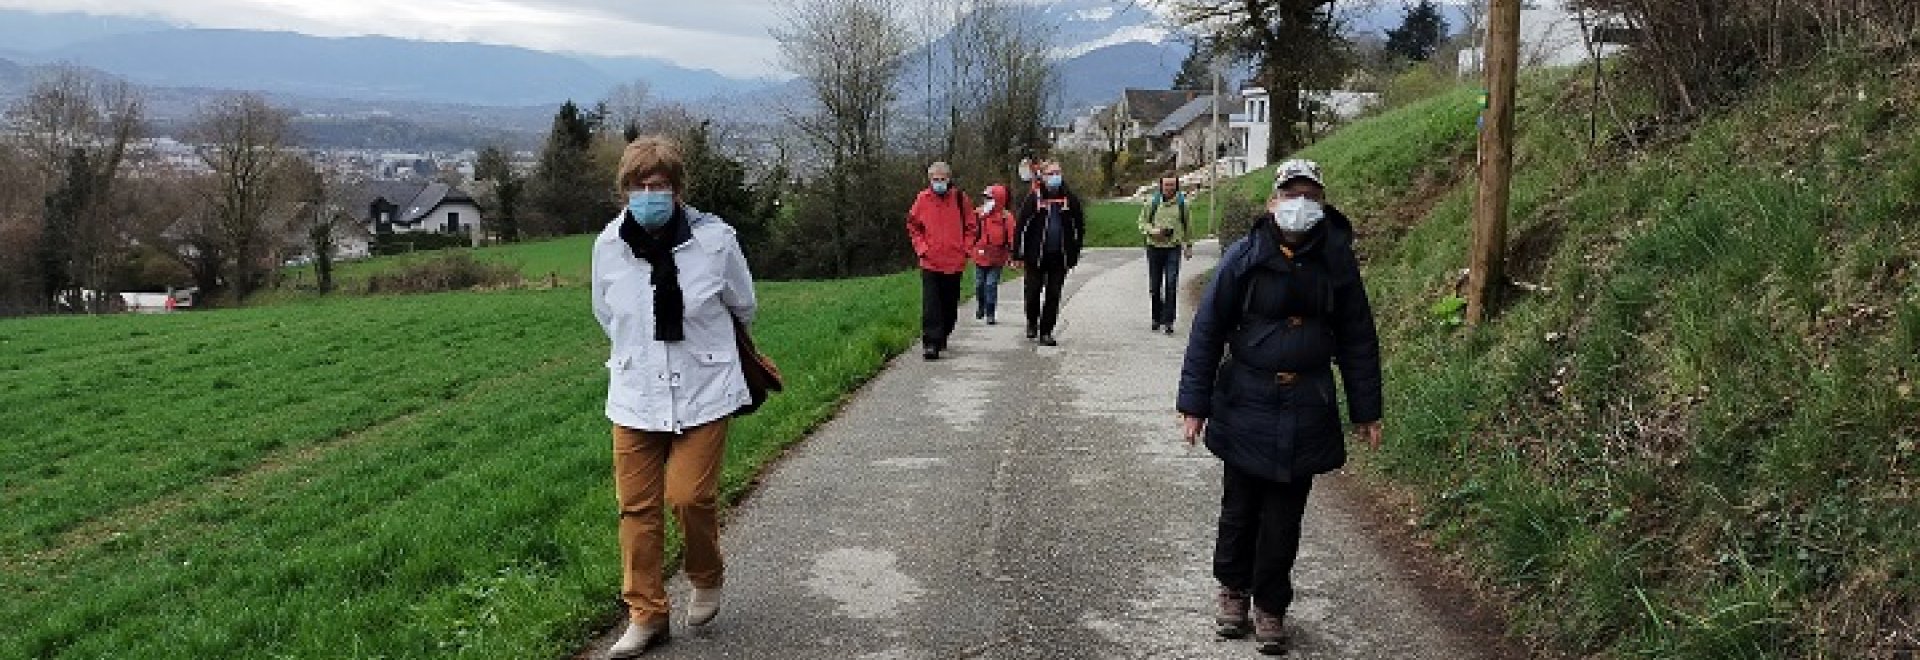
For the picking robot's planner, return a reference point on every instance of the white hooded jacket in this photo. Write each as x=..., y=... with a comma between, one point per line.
x=673, y=386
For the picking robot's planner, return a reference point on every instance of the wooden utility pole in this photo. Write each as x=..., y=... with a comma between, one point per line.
x=1213, y=153
x=1487, y=274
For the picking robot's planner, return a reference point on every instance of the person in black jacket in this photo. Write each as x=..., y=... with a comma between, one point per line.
x=1047, y=243
x=1285, y=306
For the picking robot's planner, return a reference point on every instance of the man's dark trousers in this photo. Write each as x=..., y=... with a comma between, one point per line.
x=939, y=307
x=1043, y=287
x=1163, y=282
x=1260, y=537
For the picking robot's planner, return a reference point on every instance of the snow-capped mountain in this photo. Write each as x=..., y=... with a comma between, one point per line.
x=1084, y=26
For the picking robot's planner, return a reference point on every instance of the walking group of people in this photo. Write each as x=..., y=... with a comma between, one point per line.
x=1286, y=307
x=1042, y=235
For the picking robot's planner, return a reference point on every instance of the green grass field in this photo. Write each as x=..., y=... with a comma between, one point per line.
x=417, y=476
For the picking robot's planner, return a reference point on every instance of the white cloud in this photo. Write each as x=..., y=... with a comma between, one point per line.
x=726, y=38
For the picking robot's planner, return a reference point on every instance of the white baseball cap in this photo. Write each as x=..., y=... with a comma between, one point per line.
x=1297, y=168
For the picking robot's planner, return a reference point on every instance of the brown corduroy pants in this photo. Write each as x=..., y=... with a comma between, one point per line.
x=681, y=471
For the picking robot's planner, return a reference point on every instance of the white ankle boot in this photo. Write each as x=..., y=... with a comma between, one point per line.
x=704, y=606
x=637, y=640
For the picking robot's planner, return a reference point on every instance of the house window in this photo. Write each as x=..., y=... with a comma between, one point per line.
x=453, y=223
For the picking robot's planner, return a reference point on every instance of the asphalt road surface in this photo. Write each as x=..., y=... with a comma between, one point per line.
x=1013, y=501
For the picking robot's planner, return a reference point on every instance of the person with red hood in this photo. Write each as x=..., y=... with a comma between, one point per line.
x=992, y=249
x=942, y=229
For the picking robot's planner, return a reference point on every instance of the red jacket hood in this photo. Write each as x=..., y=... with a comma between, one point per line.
x=999, y=194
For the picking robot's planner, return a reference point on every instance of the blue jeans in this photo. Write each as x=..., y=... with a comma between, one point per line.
x=986, y=289
x=1163, y=282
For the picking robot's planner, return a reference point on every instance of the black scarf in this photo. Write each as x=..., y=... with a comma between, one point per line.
x=669, y=307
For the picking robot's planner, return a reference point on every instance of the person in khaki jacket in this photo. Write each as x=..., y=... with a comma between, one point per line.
x=670, y=284
x=1163, y=223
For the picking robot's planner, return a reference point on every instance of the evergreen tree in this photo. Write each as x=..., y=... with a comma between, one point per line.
x=567, y=189
x=1419, y=34
x=718, y=185
x=507, y=188
x=1196, y=71
x=63, y=213
x=1294, y=45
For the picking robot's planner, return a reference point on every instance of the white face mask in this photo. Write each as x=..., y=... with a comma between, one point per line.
x=1297, y=215
x=987, y=207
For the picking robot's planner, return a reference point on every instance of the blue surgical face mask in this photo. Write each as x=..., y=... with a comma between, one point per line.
x=650, y=209
x=1054, y=181
x=939, y=187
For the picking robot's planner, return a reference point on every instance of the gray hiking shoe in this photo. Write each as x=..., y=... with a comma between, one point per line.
x=1269, y=632
x=1231, y=622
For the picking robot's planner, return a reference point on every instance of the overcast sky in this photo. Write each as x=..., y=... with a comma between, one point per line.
x=728, y=36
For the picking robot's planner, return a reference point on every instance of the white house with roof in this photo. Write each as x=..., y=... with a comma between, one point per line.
x=400, y=207
x=1082, y=133
x=1251, y=131
x=1253, y=127
x=1133, y=117
x=1186, y=135
x=1551, y=36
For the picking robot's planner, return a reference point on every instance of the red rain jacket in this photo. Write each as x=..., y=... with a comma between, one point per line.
x=994, y=245
x=942, y=230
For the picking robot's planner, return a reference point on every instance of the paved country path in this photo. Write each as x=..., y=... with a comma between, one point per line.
x=1012, y=501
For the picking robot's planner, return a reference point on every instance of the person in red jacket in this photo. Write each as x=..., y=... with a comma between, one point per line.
x=941, y=224
x=992, y=249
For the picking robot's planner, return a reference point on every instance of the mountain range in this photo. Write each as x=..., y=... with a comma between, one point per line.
x=1102, y=47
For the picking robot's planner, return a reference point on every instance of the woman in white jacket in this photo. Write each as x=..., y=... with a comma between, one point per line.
x=668, y=283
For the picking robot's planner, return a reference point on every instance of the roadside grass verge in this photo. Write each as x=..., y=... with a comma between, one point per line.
x=1698, y=440
x=417, y=476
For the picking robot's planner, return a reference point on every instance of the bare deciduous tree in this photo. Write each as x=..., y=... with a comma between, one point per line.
x=323, y=217
x=851, y=54
x=626, y=105
x=73, y=130
x=1002, y=86
x=244, y=141
x=1698, y=52
x=19, y=233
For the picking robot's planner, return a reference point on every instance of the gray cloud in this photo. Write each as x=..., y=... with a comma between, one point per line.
x=728, y=36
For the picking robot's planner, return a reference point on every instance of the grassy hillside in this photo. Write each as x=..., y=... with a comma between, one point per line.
x=420, y=476
x=1699, y=440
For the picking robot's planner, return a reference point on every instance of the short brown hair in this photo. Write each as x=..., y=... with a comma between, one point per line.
x=650, y=155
